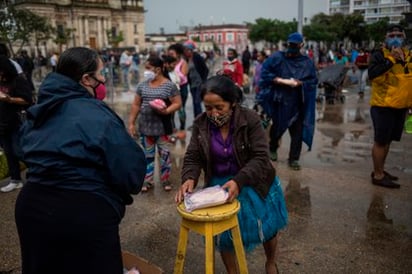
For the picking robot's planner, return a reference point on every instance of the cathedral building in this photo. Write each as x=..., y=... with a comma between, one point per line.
x=92, y=23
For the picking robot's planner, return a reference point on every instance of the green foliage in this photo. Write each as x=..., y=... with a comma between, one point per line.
x=62, y=36
x=19, y=26
x=376, y=31
x=270, y=30
x=327, y=28
x=114, y=40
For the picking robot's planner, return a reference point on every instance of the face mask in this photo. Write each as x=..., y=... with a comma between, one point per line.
x=149, y=75
x=292, y=51
x=231, y=58
x=99, y=83
x=220, y=120
x=394, y=42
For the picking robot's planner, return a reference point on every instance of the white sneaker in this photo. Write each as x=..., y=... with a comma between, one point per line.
x=11, y=186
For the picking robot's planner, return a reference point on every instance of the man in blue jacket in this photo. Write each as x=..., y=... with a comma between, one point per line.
x=288, y=90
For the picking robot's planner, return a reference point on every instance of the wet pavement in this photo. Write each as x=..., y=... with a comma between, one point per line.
x=338, y=221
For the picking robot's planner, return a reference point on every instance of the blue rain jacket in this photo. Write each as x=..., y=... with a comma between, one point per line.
x=284, y=103
x=73, y=141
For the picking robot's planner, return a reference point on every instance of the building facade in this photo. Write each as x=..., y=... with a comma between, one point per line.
x=372, y=10
x=223, y=36
x=92, y=23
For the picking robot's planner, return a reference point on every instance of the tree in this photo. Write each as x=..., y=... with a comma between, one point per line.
x=270, y=30
x=113, y=38
x=18, y=26
x=63, y=36
x=354, y=28
x=376, y=31
x=320, y=29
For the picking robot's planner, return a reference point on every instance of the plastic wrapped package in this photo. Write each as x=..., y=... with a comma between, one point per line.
x=158, y=104
x=206, y=197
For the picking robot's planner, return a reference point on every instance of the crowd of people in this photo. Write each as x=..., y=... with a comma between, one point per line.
x=84, y=163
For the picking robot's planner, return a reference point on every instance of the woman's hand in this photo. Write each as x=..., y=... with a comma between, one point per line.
x=233, y=190
x=186, y=187
x=132, y=130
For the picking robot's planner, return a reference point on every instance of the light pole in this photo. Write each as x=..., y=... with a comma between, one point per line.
x=300, y=16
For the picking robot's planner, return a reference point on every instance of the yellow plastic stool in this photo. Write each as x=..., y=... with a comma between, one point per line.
x=210, y=222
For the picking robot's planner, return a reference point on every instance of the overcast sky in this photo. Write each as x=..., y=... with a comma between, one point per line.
x=171, y=14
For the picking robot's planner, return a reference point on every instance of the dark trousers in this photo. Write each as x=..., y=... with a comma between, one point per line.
x=9, y=143
x=184, y=90
x=197, y=101
x=65, y=231
x=296, y=138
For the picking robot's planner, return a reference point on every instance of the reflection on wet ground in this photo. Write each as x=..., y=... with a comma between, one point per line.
x=336, y=225
x=338, y=221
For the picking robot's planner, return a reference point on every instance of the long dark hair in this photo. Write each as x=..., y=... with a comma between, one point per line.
x=77, y=61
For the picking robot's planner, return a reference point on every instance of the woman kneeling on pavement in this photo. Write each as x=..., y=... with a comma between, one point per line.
x=230, y=145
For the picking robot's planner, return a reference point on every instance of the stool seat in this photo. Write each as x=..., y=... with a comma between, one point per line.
x=210, y=222
x=210, y=214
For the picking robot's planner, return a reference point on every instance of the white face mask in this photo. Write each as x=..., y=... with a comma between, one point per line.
x=149, y=75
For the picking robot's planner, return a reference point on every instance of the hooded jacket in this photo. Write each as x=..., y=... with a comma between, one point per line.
x=250, y=146
x=73, y=141
x=290, y=102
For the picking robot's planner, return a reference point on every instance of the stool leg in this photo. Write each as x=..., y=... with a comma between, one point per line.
x=210, y=250
x=240, y=252
x=181, y=250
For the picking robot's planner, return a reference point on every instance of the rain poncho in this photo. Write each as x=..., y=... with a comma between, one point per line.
x=289, y=101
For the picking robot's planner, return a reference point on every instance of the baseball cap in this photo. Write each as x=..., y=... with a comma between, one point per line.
x=394, y=27
x=295, y=38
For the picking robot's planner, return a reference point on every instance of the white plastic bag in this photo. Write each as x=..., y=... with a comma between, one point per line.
x=206, y=197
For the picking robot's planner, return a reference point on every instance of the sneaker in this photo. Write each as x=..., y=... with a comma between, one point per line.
x=273, y=155
x=294, y=165
x=385, y=182
x=12, y=186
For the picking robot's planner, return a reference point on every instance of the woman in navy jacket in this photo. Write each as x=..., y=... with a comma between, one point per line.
x=82, y=169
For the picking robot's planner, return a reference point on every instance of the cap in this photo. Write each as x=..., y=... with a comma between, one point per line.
x=295, y=38
x=394, y=27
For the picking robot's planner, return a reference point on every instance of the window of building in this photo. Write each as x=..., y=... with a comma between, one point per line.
x=229, y=37
x=219, y=37
x=135, y=28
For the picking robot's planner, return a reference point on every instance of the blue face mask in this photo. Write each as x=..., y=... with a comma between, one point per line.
x=394, y=42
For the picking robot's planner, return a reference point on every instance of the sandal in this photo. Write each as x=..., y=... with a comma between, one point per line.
x=146, y=186
x=167, y=186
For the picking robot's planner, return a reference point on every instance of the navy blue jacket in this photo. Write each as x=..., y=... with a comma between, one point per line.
x=76, y=142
